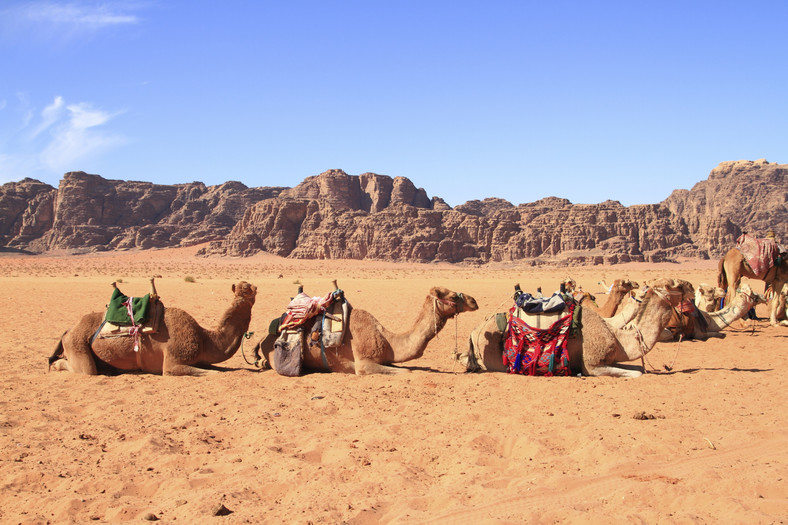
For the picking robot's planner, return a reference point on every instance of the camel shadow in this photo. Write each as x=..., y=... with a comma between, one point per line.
x=694, y=370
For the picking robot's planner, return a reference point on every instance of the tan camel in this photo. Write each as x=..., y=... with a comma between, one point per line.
x=369, y=347
x=599, y=348
x=782, y=305
x=707, y=297
x=734, y=266
x=178, y=348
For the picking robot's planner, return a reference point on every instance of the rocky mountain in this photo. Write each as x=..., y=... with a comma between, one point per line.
x=88, y=212
x=369, y=216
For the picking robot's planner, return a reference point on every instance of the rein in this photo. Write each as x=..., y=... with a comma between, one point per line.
x=247, y=335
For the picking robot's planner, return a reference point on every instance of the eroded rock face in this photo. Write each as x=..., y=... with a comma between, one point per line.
x=369, y=216
x=89, y=212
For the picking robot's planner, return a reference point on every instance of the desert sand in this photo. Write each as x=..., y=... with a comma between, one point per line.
x=701, y=441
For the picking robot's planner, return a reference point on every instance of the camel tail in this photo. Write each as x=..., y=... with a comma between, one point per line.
x=722, y=278
x=57, y=354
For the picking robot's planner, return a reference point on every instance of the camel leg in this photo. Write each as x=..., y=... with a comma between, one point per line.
x=172, y=368
x=775, y=306
x=733, y=275
x=366, y=366
x=612, y=371
x=73, y=357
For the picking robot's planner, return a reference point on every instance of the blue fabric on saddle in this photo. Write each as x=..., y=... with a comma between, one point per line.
x=533, y=305
x=118, y=312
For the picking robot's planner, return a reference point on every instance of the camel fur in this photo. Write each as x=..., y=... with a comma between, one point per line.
x=733, y=266
x=598, y=350
x=369, y=348
x=179, y=347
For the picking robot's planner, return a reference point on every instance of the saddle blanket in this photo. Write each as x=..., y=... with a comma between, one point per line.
x=759, y=253
x=535, y=351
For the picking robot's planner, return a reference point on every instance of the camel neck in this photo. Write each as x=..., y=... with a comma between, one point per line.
x=411, y=345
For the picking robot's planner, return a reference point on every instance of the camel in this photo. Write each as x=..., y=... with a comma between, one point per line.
x=179, y=347
x=369, y=347
x=711, y=324
x=598, y=349
x=733, y=266
x=615, y=294
x=620, y=289
x=707, y=297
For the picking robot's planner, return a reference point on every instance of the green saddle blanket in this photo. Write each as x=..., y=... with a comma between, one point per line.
x=118, y=313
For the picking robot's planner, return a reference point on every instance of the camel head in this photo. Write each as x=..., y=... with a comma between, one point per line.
x=625, y=285
x=676, y=290
x=449, y=303
x=570, y=285
x=580, y=297
x=245, y=292
x=707, y=297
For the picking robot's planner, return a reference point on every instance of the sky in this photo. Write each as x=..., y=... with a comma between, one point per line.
x=520, y=100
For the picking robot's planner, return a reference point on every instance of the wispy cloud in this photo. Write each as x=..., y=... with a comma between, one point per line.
x=77, y=136
x=61, y=137
x=65, y=18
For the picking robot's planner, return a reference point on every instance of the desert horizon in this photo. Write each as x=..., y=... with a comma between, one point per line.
x=699, y=438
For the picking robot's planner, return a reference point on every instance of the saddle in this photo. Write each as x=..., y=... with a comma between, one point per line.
x=537, y=332
x=761, y=254
x=318, y=322
x=130, y=316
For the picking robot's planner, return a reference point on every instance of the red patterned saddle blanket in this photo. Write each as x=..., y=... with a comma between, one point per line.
x=538, y=351
x=759, y=253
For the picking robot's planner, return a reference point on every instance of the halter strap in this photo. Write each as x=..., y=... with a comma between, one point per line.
x=458, y=303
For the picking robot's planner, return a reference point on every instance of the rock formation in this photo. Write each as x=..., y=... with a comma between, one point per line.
x=88, y=212
x=369, y=216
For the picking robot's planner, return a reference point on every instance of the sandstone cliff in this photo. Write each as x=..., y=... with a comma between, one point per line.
x=88, y=212
x=369, y=216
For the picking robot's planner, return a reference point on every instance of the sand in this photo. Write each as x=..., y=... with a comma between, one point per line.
x=703, y=442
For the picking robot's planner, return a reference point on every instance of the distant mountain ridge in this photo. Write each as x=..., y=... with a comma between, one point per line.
x=369, y=216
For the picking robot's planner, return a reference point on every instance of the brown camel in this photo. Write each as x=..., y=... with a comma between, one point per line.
x=734, y=266
x=178, y=348
x=598, y=349
x=369, y=347
x=620, y=289
x=711, y=324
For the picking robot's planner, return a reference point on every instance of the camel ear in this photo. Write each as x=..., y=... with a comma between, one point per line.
x=233, y=288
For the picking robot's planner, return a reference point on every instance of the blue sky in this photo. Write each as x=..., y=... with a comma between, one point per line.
x=514, y=99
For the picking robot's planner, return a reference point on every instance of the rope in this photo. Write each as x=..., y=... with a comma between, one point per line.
x=247, y=335
x=678, y=345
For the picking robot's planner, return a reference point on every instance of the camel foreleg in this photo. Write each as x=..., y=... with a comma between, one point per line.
x=367, y=367
x=612, y=371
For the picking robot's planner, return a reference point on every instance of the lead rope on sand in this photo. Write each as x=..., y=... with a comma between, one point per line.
x=456, y=349
x=667, y=367
x=678, y=345
x=247, y=335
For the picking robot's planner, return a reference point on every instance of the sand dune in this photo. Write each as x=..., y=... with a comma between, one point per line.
x=704, y=442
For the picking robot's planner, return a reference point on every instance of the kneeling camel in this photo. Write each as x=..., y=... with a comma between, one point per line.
x=369, y=347
x=179, y=347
